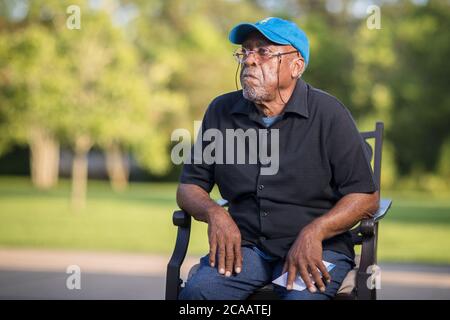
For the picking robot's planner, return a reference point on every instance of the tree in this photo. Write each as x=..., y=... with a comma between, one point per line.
x=83, y=88
x=400, y=77
x=32, y=85
x=113, y=103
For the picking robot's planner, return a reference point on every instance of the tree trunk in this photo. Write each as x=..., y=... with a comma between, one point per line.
x=117, y=167
x=80, y=172
x=44, y=159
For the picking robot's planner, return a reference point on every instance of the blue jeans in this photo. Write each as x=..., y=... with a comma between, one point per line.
x=257, y=271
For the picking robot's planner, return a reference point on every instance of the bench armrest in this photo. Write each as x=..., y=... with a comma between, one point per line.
x=367, y=226
x=181, y=219
x=385, y=204
x=366, y=229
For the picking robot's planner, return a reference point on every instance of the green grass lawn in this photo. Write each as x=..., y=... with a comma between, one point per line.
x=139, y=220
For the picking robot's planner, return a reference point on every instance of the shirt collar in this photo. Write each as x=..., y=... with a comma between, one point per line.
x=297, y=103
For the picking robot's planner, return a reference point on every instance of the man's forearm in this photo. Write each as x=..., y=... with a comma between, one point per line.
x=348, y=211
x=195, y=201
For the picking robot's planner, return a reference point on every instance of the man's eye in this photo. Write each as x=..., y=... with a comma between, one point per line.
x=264, y=52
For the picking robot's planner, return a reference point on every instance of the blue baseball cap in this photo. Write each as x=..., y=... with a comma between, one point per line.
x=277, y=30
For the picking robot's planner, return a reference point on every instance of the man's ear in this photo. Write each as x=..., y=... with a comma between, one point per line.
x=298, y=66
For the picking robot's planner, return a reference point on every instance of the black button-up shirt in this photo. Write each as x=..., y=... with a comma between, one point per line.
x=322, y=157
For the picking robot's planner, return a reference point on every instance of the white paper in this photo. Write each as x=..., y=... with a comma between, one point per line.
x=299, y=284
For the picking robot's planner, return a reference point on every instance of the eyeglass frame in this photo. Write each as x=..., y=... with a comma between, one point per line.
x=272, y=54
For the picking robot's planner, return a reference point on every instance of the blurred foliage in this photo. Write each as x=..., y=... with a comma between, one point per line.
x=140, y=68
x=86, y=84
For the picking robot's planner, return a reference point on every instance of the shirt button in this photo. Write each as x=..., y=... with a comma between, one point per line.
x=261, y=186
x=264, y=214
x=262, y=238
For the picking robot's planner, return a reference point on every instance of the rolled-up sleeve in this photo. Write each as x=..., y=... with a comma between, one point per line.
x=200, y=174
x=348, y=155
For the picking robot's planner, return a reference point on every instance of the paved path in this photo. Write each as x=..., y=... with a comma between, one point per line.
x=41, y=274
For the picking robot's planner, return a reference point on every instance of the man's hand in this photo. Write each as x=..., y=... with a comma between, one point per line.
x=223, y=233
x=224, y=238
x=305, y=257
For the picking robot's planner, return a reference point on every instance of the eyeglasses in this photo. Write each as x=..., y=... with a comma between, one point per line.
x=262, y=54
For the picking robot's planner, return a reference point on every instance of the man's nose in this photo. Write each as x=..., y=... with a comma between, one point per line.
x=250, y=59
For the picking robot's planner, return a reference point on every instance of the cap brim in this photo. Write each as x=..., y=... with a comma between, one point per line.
x=239, y=33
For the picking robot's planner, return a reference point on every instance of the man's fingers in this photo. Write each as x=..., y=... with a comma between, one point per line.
x=212, y=251
x=229, y=259
x=307, y=279
x=292, y=273
x=325, y=275
x=222, y=253
x=316, y=276
x=237, y=258
x=285, y=267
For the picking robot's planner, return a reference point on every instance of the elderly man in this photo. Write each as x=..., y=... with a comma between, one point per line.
x=297, y=219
